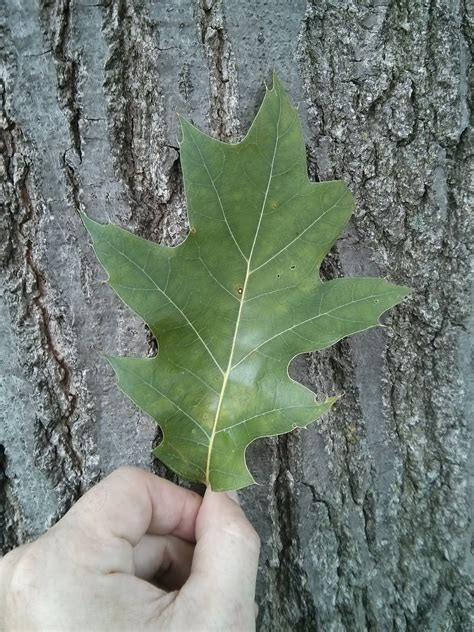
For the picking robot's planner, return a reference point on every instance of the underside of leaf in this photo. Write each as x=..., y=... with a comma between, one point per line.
x=239, y=298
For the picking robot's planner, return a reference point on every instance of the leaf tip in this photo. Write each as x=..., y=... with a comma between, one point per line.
x=408, y=291
x=109, y=359
x=181, y=121
x=93, y=227
x=276, y=82
x=87, y=221
x=403, y=292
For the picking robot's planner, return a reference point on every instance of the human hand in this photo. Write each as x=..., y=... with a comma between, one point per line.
x=90, y=571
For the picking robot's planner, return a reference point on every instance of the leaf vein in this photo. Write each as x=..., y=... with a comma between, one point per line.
x=172, y=303
x=320, y=217
x=218, y=196
x=242, y=302
x=303, y=322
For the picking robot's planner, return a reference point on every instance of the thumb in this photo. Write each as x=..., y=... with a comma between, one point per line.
x=225, y=561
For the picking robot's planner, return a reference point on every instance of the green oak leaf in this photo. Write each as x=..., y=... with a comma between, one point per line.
x=239, y=298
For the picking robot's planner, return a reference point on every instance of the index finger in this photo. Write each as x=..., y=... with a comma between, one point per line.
x=131, y=502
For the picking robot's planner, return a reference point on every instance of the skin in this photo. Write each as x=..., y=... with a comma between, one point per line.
x=136, y=552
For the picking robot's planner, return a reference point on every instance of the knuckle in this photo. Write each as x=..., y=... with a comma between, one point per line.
x=116, y=554
x=9, y=560
x=126, y=471
x=23, y=574
x=243, y=531
x=125, y=477
x=254, y=538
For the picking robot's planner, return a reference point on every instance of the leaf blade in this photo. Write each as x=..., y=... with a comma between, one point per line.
x=239, y=298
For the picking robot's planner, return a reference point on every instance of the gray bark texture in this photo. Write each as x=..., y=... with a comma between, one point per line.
x=363, y=516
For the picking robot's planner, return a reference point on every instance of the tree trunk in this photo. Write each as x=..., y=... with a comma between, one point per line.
x=364, y=516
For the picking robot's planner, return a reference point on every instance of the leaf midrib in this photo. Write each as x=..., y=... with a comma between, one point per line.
x=242, y=302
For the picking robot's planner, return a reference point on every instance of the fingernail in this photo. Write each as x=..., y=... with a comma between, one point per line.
x=233, y=496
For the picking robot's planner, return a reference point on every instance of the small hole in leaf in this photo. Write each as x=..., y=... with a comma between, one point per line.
x=292, y=267
x=278, y=276
x=240, y=290
x=376, y=300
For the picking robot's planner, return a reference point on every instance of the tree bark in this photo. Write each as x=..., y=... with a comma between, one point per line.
x=364, y=516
